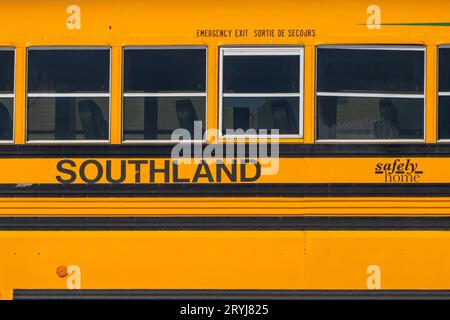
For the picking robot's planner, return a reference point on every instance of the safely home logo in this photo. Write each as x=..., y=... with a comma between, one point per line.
x=399, y=171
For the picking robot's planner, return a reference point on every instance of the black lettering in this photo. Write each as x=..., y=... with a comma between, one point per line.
x=166, y=171
x=137, y=169
x=123, y=172
x=231, y=174
x=72, y=174
x=198, y=173
x=83, y=171
x=175, y=173
x=257, y=175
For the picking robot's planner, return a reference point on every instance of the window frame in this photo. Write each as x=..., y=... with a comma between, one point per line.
x=68, y=95
x=168, y=95
x=440, y=93
x=11, y=95
x=263, y=51
x=388, y=47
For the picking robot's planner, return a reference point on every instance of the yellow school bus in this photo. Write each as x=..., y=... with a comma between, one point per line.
x=210, y=149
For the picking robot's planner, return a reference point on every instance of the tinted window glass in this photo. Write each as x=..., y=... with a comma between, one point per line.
x=377, y=71
x=261, y=74
x=65, y=71
x=155, y=118
x=444, y=118
x=261, y=113
x=370, y=118
x=68, y=118
x=444, y=69
x=6, y=118
x=165, y=70
x=6, y=71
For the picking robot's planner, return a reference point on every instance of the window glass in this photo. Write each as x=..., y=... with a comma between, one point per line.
x=380, y=71
x=68, y=97
x=444, y=94
x=261, y=74
x=165, y=70
x=6, y=119
x=370, y=94
x=165, y=90
x=68, y=118
x=444, y=69
x=370, y=118
x=261, y=91
x=64, y=71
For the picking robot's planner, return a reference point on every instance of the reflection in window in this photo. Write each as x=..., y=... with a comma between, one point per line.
x=155, y=118
x=370, y=93
x=164, y=90
x=68, y=118
x=370, y=118
x=261, y=90
x=68, y=94
x=261, y=74
x=444, y=94
x=261, y=113
x=6, y=93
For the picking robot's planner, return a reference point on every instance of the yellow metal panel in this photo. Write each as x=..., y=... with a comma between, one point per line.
x=226, y=260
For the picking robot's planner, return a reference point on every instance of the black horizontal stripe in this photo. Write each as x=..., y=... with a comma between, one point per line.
x=285, y=150
x=226, y=190
x=281, y=223
x=230, y=294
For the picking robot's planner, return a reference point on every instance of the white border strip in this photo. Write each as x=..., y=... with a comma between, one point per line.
x=177, y=94
x=370, y=95
x=68, y=95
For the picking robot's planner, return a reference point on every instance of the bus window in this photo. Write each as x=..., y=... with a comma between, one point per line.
x=68, y=94
x=6, y=94
x=370, y=93
x=164, y=90
x=444, y=94
x=261, y=89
